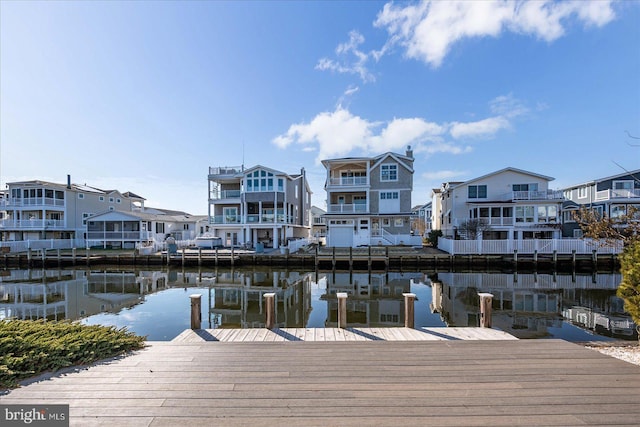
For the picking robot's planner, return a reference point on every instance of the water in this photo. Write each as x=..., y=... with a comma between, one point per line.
x=156, y=303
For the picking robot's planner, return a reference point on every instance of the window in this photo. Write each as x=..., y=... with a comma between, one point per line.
x=386, y=222
x=111, y=208
x=389, y=172
x=398, y=222
x=118, y=200
x=582, y=193
x=524, y=213
x=623, y=185
x=547, y=214
x=280, y=184
x=80, y=196
x=525, y=187
x=618, y=210
x=389, y=195
x=477, y=191
x=85, y=215
x=567, y=216
x=159, y=227
x=101, y=198
x=110, y=199
x=185, y=226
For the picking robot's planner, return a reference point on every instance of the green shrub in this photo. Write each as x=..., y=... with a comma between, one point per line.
x=32, y=347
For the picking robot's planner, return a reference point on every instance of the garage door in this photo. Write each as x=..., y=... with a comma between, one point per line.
x=341, y=237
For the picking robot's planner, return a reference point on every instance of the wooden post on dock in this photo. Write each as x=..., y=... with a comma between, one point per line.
x=196, y=312
x=594, y=259
x=342, y=309
x=73, y=255
x=409, y=316
x=216, y=256
x=573, y=260
x=350, y=257
x=58, y=256
x=515, y=259
x=44, y=257
x=333, y=258
x=182, y=255
x=369, y=262
x=269, y=301
x=87, y=259
x=485, y=309
x=535, y=259
x=232, y=256
x=199, y=256
x=555, y=260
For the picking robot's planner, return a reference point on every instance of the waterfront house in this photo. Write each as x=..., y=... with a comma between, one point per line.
x=421, y=219
x=610, y=196
x=258, y=206
x=369, y=200
x=117, y=229
x=38, y=210
x=318, y=222
x=508, y=204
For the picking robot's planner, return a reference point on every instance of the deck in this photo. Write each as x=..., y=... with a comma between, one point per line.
x=348, y=383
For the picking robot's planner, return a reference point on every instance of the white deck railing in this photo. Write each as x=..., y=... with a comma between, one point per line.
x=541, y=246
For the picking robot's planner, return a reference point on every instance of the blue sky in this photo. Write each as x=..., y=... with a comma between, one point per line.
x=145, y=96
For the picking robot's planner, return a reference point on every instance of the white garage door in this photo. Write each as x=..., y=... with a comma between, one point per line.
x=341, y=237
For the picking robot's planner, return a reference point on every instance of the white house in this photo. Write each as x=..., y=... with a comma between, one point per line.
x=510, y=203
x=258, y=205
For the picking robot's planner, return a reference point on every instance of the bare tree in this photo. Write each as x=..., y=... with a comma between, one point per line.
x=473, y=228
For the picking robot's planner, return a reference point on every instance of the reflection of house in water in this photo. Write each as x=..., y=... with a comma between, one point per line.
x=239, y=298
x=71, y=294
x=525, y=305
x=372, y=299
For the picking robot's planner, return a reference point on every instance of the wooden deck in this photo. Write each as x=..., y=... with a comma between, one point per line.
x=382, y=383
x=338, y=334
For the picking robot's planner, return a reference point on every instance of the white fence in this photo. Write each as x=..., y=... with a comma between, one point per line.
x=541, y=246
x=25, y=245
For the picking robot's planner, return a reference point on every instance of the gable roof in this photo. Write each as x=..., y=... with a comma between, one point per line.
x=634, y=174
x=509, y=169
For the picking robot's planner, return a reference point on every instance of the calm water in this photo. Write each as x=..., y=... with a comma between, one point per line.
x=156, y=303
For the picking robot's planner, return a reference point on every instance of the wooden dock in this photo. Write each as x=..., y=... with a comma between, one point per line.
x=342, y=334
x=348, y=383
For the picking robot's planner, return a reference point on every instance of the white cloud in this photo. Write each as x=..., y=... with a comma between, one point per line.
x=481, y=128
x=429, y=29
x=340, y=132
x=352, y=59
x=444, y=175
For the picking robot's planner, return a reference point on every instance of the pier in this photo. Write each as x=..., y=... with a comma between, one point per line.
x=347, y=383
x=369, y=258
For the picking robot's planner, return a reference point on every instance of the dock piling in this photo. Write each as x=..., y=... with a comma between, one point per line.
x=485, y=309
x=342, y=309
x=196, y=312
x=269, y=300
x=409, y=317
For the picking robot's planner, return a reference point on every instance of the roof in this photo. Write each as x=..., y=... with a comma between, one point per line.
x=620, y=175
x=509, y=169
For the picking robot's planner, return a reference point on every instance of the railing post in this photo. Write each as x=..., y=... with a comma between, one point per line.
x=409, y=317
x=342, y=309
x=269, y=300
x=196, y=313
x=485, y=309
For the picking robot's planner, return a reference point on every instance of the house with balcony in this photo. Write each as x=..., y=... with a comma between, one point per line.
x=318, y=222
x=510, y=204
x=610, y=196
x=369, y=200
x=38, y=210
x=124, y=230
x=258, y=205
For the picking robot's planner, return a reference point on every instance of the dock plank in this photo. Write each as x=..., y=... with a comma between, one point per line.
x=347, y=383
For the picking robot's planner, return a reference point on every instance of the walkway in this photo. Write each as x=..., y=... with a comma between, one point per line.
x=381, y=383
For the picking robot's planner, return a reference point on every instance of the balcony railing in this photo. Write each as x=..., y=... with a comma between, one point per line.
x=31, y=201
x=118, y=235
x=32, y=224
x=617, y=194
x=279, y=218
x=225, y=170
x=537, y=195
x=349, y=181
x=343, y=208
x=226, y=194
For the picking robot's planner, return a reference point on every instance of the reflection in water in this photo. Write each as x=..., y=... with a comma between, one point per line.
x=155, y=302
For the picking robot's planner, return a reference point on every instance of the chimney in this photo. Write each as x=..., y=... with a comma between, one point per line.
x=409, y=151
x=69, y=181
